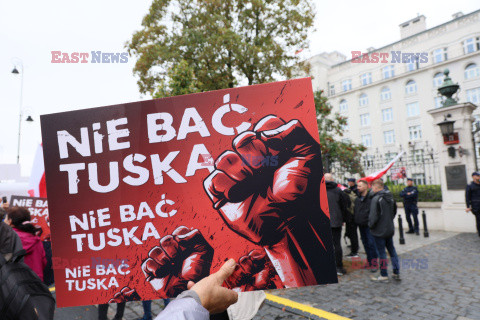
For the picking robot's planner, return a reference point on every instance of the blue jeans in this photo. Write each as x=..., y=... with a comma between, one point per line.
x=383, y=243
x=369, y=245
x=147, y=308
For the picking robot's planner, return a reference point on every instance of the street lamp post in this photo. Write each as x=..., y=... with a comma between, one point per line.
x=15, y=71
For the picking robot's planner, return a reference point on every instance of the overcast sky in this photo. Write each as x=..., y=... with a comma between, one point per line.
x=30, y=30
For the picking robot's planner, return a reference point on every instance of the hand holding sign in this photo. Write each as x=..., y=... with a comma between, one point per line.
x=181, y=257
x=261, y=201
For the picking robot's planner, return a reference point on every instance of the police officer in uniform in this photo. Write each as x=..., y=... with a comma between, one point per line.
x=472, y=198
x=410, y=198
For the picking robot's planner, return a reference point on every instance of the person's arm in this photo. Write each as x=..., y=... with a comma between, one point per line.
x=204, y=297
x=415, y=194
x=344, y=204
x=373, y=216
x=186, y=306
x=403, y=193
x=468, y=198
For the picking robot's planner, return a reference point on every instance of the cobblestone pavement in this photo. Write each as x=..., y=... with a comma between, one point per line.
x=448, y=287
x=440, y=281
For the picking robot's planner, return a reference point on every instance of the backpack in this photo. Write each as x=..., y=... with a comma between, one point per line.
x=23, y=296
x=350, y=210
x=394, y=209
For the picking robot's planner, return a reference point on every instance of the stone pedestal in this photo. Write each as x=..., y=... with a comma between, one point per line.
x=455, y=172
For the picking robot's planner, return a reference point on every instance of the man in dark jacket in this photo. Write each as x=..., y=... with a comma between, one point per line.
x=410, y=198
x=380, y=221
x=472, y=198
x=361, y=213
x=338, y=202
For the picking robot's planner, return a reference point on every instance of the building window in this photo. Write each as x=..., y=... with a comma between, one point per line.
x=346, y=140
x=365, y=119
x=471, y=45
x=472, y=71
x=473, y=95
x=387, y=115
x=388, y=72
x=389, y=137
x=437, y=79
x=363, y=100
x=366, y=78
x=345, y=126
x=347, y=85
x=415, y=133
x=367, y=140
x=418, y=178
x=411, y=87
x=438, y=102
x=413, y=109
x=332, y=89
x=417, y=155
x=440, y=55
x=343, y=106
x=413, y=64
x=385, y=94
x=368, y=161
x=389, y=156
x=476, y=118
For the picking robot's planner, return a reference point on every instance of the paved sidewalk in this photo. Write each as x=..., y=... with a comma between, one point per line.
x=441, y=281
x=357, y=283
x=448, y=287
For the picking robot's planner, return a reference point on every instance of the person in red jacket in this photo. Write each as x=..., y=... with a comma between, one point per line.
x=19, y=219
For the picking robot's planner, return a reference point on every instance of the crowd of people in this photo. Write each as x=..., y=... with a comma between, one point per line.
x=369, y=211
x=363, y=208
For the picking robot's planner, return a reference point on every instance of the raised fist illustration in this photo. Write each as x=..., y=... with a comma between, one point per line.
x=181, y=257
x=126, y=294
x=267, y=190
x=254, y=272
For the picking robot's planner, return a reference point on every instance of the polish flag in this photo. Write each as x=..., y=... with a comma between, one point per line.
x=380, y=173
x=37, y=186
x=298, y=51
x=341, y=186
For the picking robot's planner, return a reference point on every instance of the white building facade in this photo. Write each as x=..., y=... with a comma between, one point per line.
x=386, y=102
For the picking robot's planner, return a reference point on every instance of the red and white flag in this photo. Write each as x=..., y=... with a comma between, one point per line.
x=380, y=173
x=37, y=186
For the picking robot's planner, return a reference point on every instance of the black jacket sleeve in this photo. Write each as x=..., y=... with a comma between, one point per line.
x=374, y=215
x=468, y=196
x=345, y=202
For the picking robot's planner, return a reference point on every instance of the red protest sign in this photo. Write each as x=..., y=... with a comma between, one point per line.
x=398, y=173
x=146, y=196
x=38, y=208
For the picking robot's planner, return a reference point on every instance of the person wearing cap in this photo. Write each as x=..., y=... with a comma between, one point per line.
x=352, y=185
x=472, y=198
x=410, y=198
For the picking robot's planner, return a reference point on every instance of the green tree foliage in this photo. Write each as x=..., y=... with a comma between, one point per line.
x=218, y=43
x=330, y=129
x=426, y=193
